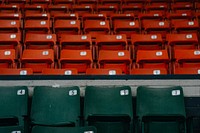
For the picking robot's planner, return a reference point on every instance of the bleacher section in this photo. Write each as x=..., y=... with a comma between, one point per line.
x=99, y=66
x=75, y=37
x=103, y=109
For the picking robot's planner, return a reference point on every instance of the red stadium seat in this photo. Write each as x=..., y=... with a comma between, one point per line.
x=189, y=60
x=13, y=71
x=96, y=27
x=187, y=70
x=37, y=59
x=34, y=8
x=76, y=42
x=37, y=16
x=57, y=9
x=156, y=27
x=70, y=2
x=7, y=58
x=152, y=59
x=111, y=42
x=11, y=8
x=125, y=16
x=89, y=16
x=40, y=41
x=78, y=59
x=10, y=16
x=182, y=41
x=161, y=7
x=46, y=2
x=181, y=6
x=119, y=59
x=82, y=9
x=149, y=71
x=87, y=2
x=70, y=27
x=11, y=41
x=101, y=71
x=158, y=1
x=10, y=26
x=107, y=9
x=101, y=17
x=127, y=27
x=186, y=26
x=133, y=2
x=70, y=71
x=17, y=1
x=187, y=15
x=110, y=2
x=121, y=17
x=65, y=16
x=151, y=16
x=136, y=9
x=37, y=26
x=147, y=42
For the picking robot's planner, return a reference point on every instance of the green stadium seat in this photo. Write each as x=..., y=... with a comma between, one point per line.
x=44, y=129
x=55, y=106
x=109, y=109
x=13, y=109
x=160, y=110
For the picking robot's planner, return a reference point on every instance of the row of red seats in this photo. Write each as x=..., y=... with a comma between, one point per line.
x=136, y=9
x=96, y=27
x=101, y=16
x=97, y=71
x=81, y=60
x=94, y=1
x=102, y=42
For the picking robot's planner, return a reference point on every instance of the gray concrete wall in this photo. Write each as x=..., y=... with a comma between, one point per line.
x=191, y=87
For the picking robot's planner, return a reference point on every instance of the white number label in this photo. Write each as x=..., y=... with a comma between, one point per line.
x=7, y=53
x=124, y=92
x=73, y=92
x=68, y=72
x=112, y=72
x=45, y=53
x=83, y=53
x=23, y=72
x=13, y=36
x=176, y=92
x=156, y=72
x=21, y=92
x=159, y=53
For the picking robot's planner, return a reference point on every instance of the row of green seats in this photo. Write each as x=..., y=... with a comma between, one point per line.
x=107, y=109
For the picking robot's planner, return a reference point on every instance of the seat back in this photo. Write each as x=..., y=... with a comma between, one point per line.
x=108, y=101
x=149, y=71
x=75, y=42
x=14, y=106
x=37, y=59
x=152, y=59
x=40, y=41
x=7, y=58
x=79, y=59
x=55, y=106
x=189, y=60
x=147, y=41
x=115, y=59
x=111, y=42
x=161, y=109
